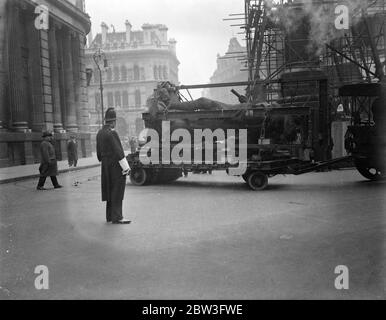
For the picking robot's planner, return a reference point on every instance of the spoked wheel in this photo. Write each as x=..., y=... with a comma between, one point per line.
x=138, y=177
x=369, y=172
x=257, y=181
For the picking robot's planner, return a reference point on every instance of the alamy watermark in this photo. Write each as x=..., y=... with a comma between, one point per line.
x=343, y=279
x=42, y=19
x=342, y=21
x=42, y=281
x=228, y=147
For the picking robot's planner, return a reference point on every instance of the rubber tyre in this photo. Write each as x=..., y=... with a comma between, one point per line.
x=138, y=177
x=257, y=181
x=366, y=171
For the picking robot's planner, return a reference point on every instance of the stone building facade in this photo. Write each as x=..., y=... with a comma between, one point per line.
x=42, y=78
x=229, y=69
x=137, y=61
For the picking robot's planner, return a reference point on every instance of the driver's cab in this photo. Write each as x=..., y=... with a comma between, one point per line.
x=365, y=137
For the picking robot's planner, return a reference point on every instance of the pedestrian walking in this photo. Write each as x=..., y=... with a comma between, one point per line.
x=114, y=169
x=133, y=145
x=72, y=152
x=48, y=165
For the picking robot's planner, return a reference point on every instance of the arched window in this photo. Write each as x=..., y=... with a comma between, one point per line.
x=136, y=73
x=125, y=99
x=116, y=74
x=124, y=73
x=137, y=98
x=118, y=102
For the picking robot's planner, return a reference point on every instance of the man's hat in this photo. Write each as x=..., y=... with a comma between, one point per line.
x=111, y=115
x=47, y=134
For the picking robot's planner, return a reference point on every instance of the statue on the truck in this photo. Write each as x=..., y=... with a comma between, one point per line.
x=167, y=98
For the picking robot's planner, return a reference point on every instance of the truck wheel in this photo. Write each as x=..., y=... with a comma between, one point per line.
x=367, y=171
x=257, y=181
x=138, y=177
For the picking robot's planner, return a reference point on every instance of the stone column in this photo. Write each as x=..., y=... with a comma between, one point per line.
x=76, y=74
x=3, y=65
x=85, y=120
x=71, y=123
x=19, y=112
x=58, y=124
x=35, y=76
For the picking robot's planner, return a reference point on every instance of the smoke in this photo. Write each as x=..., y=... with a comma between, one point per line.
x=321, y=16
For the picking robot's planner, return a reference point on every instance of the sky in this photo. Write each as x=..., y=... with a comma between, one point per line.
x=197, y=26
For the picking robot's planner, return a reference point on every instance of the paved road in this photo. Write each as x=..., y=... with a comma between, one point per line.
x=204, y=237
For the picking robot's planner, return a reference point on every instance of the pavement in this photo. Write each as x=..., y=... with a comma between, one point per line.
x=18, y=173
x=202, y=237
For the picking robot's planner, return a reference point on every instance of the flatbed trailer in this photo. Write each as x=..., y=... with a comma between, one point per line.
x=265, y=160
x=256, y=174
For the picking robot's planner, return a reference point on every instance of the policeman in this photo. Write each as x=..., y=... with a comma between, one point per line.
x=114, y=168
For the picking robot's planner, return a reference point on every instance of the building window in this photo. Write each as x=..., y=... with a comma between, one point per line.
x=110, y=99
x=139, y=125
x=125, y=99
x=136, y=73
x=118, y=102
x=116, y=74
x=160, y=72
x=137, y=98
x=155, y=70
x=96, y=76
x=130, y=74
x=109, y=75
x=97, y=101
x=124, y=73
x=142, y=74
x=165, y=70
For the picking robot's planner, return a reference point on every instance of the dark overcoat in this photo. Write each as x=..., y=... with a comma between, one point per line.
x=72, y=150
x=48, y=164
x=110, y=152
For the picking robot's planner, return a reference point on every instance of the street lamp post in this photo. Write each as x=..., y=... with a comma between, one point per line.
x=101, y=60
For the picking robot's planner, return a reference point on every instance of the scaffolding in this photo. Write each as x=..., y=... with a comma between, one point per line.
x=274, y=46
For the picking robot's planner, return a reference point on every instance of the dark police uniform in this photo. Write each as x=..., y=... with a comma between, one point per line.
x=110, y=152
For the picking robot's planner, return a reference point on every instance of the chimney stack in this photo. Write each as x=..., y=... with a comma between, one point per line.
x=164, y=35
x=147, y=28
x=128, y=31
x=105, y=29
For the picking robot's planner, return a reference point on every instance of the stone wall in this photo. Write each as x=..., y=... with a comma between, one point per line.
x=42, y=79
